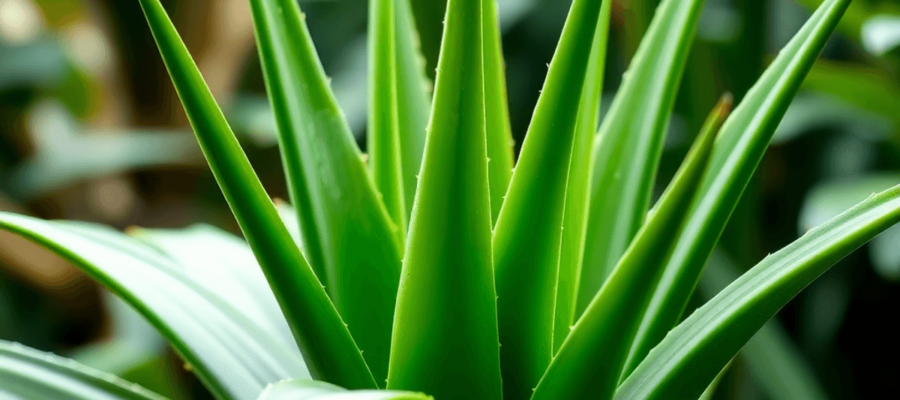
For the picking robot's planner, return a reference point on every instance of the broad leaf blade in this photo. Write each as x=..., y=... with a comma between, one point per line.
x=300, y=389
x=384, y=129
x=27, y=374
x=324, y=340
x=740, y=147
x=349, y=238
x=629, y=143
x=693, y=353
x=235, y=355
x=590, y=361
x=445, y=339
x=496, y=110
x=576, y=210
x=528, y=231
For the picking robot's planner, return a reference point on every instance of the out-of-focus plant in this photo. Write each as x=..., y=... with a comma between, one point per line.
x=440, y=267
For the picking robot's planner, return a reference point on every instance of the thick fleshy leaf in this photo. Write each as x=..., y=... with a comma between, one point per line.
x=576, y=211
x=326, y=344
x=771, y=357
x=496, y=110
x=529, y=229
x=384, y=129
x=590, y=361
x=445, y=339
x=236, y=355
x=629, y=143
x=316, y=390
x=28, y=374
x=740, y=147
x=691, y=355
x=413, y=99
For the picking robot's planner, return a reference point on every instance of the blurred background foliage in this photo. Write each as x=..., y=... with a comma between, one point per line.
x=90, y=129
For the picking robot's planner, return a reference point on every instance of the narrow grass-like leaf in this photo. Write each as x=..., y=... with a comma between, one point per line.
x=28, y=374
x=413, y=99
x=590, y=361
x=771, y=357
x=528, y=232
x=236, y=355
x=445, y=339
x=496, y=110
x=629, y=144
x=711, y=389
x=300, y=389
x=740, y=147
x=693, y=353
x=324, y=340
x=384, y=129
x=349, y=237
x=575, y=217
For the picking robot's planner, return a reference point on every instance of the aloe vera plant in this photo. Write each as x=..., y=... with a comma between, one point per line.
x=437, y=268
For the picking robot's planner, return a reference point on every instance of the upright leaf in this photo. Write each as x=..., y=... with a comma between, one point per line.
x=324, y=340
x=300, y=389
x=348, y=236
x=743, y=141
x=590, y=360
x=691, y=355
x=629, y=144
x=234, y=346
x=496, y=110
x=384, y=129
x=445, y=339
x=575, y=217
x=529, y=229
x=27, y=374
x=413, y=99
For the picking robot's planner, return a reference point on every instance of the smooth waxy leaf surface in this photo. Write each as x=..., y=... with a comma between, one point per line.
x=590, y=361
x=496, y=110
x=316, y=390
x=529, y=229
x=575, y=217
x=324, y=339
x=235, y=354
x=629, y=144
x=445, y=339
x=693, y=353
x=740, y=147
x=28, y=374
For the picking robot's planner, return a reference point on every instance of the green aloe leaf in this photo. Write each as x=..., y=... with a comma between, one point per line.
x=348, y=235
x=496, y=110
x=445, y=339
x=691, y=355
x=236, y=355
x=740, y=147
x=590, y=361
x=28, y=374
x=576, y=211
x=301, y=389
x=384, y=129
x=629, y=143
x=528, y=231
x=413, y=98
x=326, y=344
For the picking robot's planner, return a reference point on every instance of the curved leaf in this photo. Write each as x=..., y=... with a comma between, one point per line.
x=740, y=147
x=27, y=374
x=316, y=390
x=324, y=339
x=529, y=229
x=445, y=330
x=629, y=144
x=691, y=355
x=234, y=354
x=590, y=361
x=496, y=110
